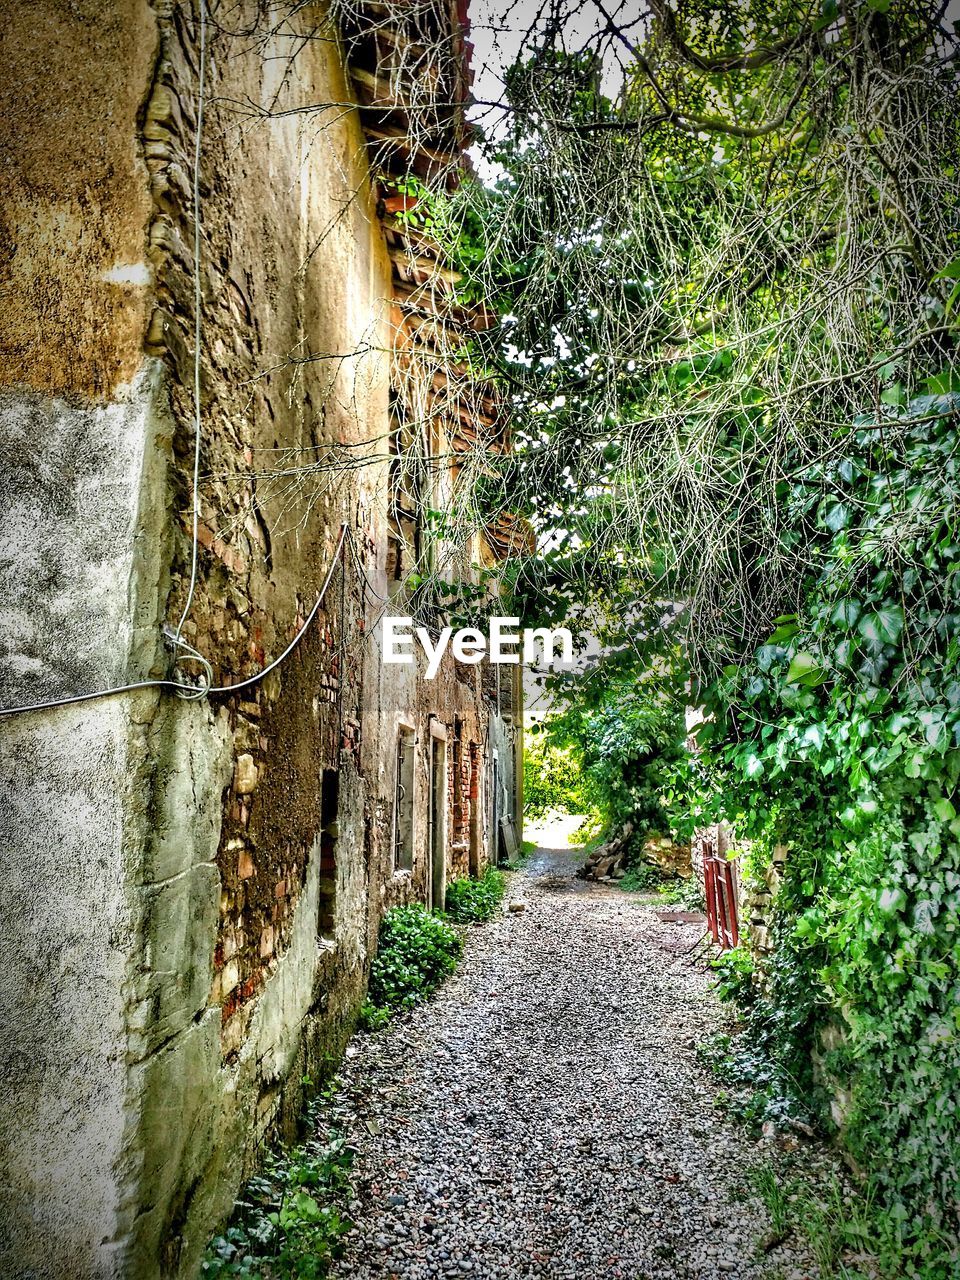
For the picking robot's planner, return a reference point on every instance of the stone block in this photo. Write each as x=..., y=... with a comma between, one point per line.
x=246, y=775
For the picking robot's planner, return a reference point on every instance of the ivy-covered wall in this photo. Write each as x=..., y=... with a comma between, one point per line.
x=839, y=739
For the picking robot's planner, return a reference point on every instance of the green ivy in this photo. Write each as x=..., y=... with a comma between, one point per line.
x=840, y=737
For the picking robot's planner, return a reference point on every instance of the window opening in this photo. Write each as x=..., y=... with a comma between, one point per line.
x=329, y=840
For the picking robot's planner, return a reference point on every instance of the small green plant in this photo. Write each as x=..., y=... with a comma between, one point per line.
x=851, y=1235
x=423, y=209
x=848, y=1233
x=774, y=1197
x=416, y=951
x=470, y=900
x=287, y=1225
x=640, y=879
x=686, y=894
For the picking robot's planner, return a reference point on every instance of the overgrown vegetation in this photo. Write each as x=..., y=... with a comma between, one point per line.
x=289, y=1221
x=417, y=949
x=839, y=737
x=553, y=780
x=848, y=1239
x=686, y=894
x=730, y=299
x=471, y=900
x=610, y=752
x=640, y=879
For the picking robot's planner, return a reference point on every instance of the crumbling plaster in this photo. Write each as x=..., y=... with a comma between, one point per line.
x=81, y=576
x=162, y=982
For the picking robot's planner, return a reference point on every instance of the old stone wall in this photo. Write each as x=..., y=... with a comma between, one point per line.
x=192, y=889
x=83, y=421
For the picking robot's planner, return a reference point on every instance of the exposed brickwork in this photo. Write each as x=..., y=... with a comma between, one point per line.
x=247, y=837
x=258, y=577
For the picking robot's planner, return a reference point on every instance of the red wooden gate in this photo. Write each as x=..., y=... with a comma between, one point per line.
x=720, y=886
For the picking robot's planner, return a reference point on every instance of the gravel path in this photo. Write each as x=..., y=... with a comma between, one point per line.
x=545, y=1114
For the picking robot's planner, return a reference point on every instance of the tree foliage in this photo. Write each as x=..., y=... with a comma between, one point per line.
x=619, y=741
x=703, y=282
x=729, y=338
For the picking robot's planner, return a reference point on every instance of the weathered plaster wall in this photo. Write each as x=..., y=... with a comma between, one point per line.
x=134, y=892
x=82, y=421
x=295, y=278
x=178, y=947
x=294, y=282
x=75, y=204
x=81, y=571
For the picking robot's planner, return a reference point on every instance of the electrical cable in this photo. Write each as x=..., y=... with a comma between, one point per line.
x=193, y=692
x=103, y=693
x=342, y=655
x=197, y=323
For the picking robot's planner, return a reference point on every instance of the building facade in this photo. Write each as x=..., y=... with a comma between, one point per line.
x=193, y=882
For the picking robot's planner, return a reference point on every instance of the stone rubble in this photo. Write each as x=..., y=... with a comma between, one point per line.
x=546, y=1116
x=609, y=860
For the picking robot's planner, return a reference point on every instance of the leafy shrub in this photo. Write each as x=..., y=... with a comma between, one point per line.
x=416, y=951
x=286, y=1224
x=473, y=900
x=552, y=780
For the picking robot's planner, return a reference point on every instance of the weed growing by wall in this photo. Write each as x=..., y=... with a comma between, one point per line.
x=288, y=1223
x=469, y=901
x=416, y=951
x=842, y=1230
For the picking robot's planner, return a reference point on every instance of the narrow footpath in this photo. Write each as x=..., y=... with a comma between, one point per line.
x=545, y=1115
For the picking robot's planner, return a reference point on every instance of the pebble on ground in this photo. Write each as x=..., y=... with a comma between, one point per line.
x=545, y=1115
